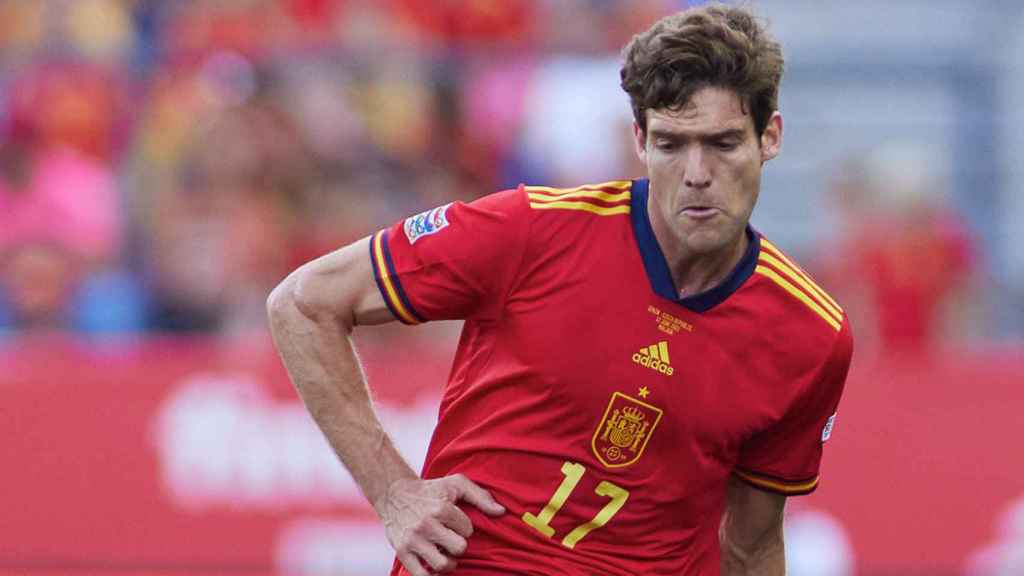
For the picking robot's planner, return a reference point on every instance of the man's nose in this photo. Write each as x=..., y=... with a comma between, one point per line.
x=697, y=173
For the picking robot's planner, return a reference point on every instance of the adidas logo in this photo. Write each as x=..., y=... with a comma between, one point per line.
x=655, y=357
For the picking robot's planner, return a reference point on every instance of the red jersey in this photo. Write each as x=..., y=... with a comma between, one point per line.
x=603, y=411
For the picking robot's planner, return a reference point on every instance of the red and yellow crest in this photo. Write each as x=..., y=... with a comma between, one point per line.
x=626, y=427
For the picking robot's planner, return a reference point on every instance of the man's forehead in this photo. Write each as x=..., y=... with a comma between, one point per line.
x=716, y=108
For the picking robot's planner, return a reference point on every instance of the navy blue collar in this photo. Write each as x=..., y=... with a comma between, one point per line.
x=657, y=268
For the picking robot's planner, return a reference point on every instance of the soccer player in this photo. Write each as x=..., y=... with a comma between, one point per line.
x=642, y=378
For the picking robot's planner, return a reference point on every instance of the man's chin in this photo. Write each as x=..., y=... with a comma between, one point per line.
x=708, y=242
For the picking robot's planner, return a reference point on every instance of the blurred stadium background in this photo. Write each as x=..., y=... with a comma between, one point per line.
x=164, y=163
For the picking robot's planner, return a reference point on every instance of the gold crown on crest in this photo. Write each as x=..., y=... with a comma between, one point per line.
x=632, y=414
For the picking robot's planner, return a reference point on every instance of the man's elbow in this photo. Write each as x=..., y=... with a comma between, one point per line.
x=305, y=295
x=281, y=302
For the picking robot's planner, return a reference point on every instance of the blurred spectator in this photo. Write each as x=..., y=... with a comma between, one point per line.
x=60, y=217
x=44, y=187
x=220, y=238
x=908, y=274
x=39, y=280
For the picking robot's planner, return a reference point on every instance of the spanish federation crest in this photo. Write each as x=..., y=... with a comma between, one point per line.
x=626, y=427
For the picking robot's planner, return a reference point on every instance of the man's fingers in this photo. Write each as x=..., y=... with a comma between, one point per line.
x=412, y=564
x=432, y=556
x=439, y=532
x=450, y=541
x=477, y=496
x=456, y=520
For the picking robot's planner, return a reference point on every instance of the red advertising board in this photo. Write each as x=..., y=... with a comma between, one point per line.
x=195, y=457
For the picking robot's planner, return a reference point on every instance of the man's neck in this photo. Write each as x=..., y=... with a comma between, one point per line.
x=694, y=273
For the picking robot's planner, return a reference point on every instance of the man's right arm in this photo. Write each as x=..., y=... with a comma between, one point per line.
x=312, y=314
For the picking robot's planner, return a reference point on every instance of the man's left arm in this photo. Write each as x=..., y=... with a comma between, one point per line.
x=778, y=462
x=751, y=532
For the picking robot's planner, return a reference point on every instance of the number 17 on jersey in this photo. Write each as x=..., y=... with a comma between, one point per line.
x=573, y=474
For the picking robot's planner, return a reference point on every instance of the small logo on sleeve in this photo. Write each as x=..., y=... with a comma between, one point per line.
x=426, y=223
x=826, y=433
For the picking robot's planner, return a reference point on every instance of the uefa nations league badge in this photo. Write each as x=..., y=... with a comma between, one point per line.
x=426, y=223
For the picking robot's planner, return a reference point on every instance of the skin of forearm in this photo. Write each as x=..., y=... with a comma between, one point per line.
x=317, y=352
x=764, y=556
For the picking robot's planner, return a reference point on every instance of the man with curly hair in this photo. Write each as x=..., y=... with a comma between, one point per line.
x=642, y=378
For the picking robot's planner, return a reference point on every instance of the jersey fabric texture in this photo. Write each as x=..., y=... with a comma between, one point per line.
x=603, y=411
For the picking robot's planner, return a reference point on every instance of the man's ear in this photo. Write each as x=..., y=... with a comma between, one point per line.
x=640, y=142
x=771, y=140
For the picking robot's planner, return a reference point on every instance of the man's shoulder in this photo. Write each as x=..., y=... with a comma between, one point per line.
x=580, y=218
x=792, y=305
x=586, y=202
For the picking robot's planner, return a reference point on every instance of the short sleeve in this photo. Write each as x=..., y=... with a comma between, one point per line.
x=455, y=261
x=785, y=458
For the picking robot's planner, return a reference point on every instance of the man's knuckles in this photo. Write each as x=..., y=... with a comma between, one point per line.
x=452, y=487
x=457, y=547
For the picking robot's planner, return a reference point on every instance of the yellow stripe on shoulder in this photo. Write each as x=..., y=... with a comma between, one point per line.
x=595, y=194
x=581, y=207
x=799, y=295
x=765, y=243
x=617, y=193
x=614, y=185
x=812, y=290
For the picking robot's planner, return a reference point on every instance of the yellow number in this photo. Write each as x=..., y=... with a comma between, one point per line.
x=605, y=488
x=573, y=474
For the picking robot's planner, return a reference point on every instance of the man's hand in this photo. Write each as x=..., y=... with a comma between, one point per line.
x=423, y=522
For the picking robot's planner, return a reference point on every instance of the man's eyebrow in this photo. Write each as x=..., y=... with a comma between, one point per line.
x=720, y=135
x=726, y=134
x=667, y=134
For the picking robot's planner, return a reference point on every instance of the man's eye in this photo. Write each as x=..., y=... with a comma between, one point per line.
x=665, y=145
x=726, y=145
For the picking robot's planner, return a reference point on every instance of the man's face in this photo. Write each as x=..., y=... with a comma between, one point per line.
x=704, y=164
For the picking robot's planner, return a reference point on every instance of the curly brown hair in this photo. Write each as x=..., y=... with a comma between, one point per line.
x=716, y=45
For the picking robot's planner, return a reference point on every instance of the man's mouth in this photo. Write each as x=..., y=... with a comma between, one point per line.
x=700, y=212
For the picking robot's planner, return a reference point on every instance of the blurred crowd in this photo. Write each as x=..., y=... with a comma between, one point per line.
x=163, y=164
x=903, y=262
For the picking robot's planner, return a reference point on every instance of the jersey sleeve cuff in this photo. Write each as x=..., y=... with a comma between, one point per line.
x=777, y=485
x=387, y=281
